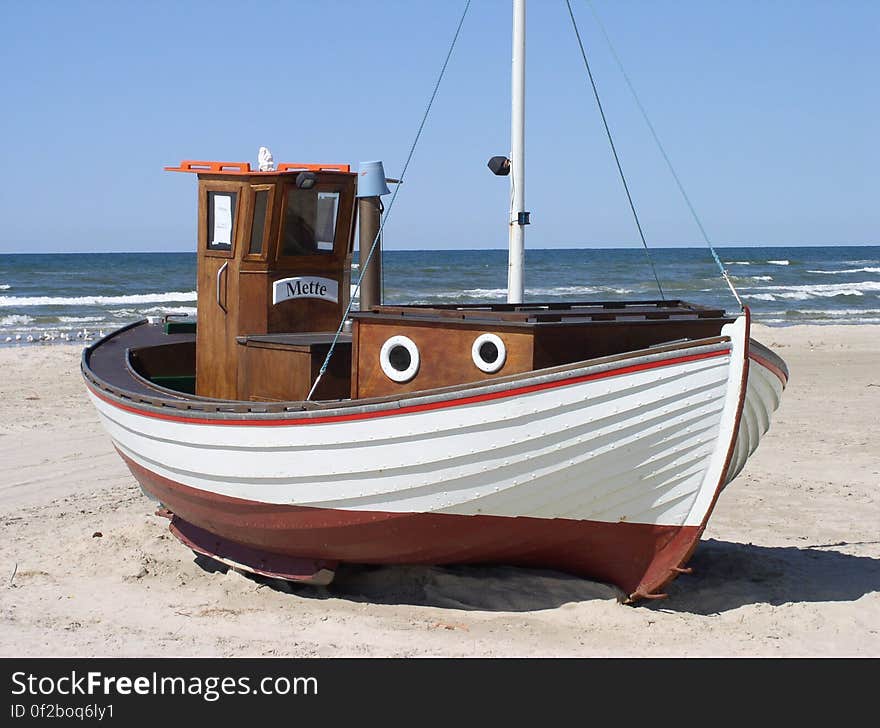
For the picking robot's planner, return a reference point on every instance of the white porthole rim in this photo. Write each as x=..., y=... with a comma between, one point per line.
x=398, y=375
x=481, y=364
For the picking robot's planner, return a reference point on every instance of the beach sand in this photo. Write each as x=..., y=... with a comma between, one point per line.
x=789, y=565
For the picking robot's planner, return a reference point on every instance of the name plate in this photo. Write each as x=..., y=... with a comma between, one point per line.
x=305, y=287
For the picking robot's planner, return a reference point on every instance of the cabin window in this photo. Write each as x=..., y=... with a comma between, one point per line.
x=309, y=222
x=261, y=205
x=221, y=219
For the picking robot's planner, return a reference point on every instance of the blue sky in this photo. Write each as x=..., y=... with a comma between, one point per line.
x=768, y=110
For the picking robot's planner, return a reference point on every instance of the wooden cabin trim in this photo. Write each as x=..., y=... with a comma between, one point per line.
x=524, y=312
x=206, y=187
x=263, y=255
x=554, y=305
x=343, y=238
x=355, y=348
x=513, y=322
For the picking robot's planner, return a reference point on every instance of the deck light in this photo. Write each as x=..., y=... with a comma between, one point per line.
x=306, y=180
x=499, y=166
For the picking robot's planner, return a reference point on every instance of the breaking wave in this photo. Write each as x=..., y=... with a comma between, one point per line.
x=15, y=320
x=779, y=262
x=791, y=321
x=846, y=270
x=821, y=290
x=15, y=301
x=833, y=312
x=760, y=296
x=80, y=319
x=153, y=310
x=490, y=293
x=177, y=310
x=473, y=293
x=573, y=291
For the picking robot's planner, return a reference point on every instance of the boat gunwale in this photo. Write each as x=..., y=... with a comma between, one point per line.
x=238, y=411
x=537, y=317
x=769, y=359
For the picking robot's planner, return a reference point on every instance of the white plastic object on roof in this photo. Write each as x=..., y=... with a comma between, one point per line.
x=265, y=160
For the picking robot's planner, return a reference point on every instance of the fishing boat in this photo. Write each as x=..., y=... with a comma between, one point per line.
x=285, y=431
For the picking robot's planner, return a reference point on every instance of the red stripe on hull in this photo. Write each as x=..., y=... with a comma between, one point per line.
x=770, y=368
x=638, y=558
x=394, y=411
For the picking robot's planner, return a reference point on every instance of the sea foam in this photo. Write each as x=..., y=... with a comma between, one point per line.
x=819, y=290
x=16, y=301
x=490, y=293
x=846, y=270
x=15, y=320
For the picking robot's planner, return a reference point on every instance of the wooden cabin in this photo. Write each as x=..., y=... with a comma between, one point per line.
x=274, y=261
x=409, y=348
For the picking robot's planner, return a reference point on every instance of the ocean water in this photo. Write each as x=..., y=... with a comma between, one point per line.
x=74, y=297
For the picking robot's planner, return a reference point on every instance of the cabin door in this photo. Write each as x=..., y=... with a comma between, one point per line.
x=218, y=269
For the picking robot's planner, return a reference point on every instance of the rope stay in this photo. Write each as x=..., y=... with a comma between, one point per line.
x=364, y=264
x=613, y=148
x=662, y=150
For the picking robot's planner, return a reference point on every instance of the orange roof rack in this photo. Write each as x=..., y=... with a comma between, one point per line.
x=197, y=166
x=192, y=165
x=295, y=166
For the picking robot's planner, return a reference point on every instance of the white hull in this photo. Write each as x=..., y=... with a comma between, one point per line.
x=609, y=469
x=763, y=394
x=646, y=446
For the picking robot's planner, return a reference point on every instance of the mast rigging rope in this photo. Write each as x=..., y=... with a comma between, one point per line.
x=654, y=134
x=365, y=263
x=613, y=148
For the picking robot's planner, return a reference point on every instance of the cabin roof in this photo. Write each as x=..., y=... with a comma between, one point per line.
x=244, y=168
x=530, y=314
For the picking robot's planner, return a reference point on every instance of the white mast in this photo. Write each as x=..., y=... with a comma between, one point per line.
x=518, y=217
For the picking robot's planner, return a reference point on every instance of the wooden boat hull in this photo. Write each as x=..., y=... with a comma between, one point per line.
x=608, y=470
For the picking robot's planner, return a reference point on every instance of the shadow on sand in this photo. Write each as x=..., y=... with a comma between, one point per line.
x=726, y=575
x=484, y=588
x=729, y=575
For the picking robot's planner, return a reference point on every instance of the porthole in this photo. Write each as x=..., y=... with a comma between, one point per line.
x=489, y=353
x=399, y=358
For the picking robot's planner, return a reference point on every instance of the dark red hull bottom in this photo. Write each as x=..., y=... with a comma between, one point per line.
x=318, y=572
x=638, y=558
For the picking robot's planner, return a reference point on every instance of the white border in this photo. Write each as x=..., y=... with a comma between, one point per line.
x=392, y=373
x=481, y=364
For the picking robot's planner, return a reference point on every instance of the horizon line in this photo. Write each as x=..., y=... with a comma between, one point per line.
x=467, y=250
